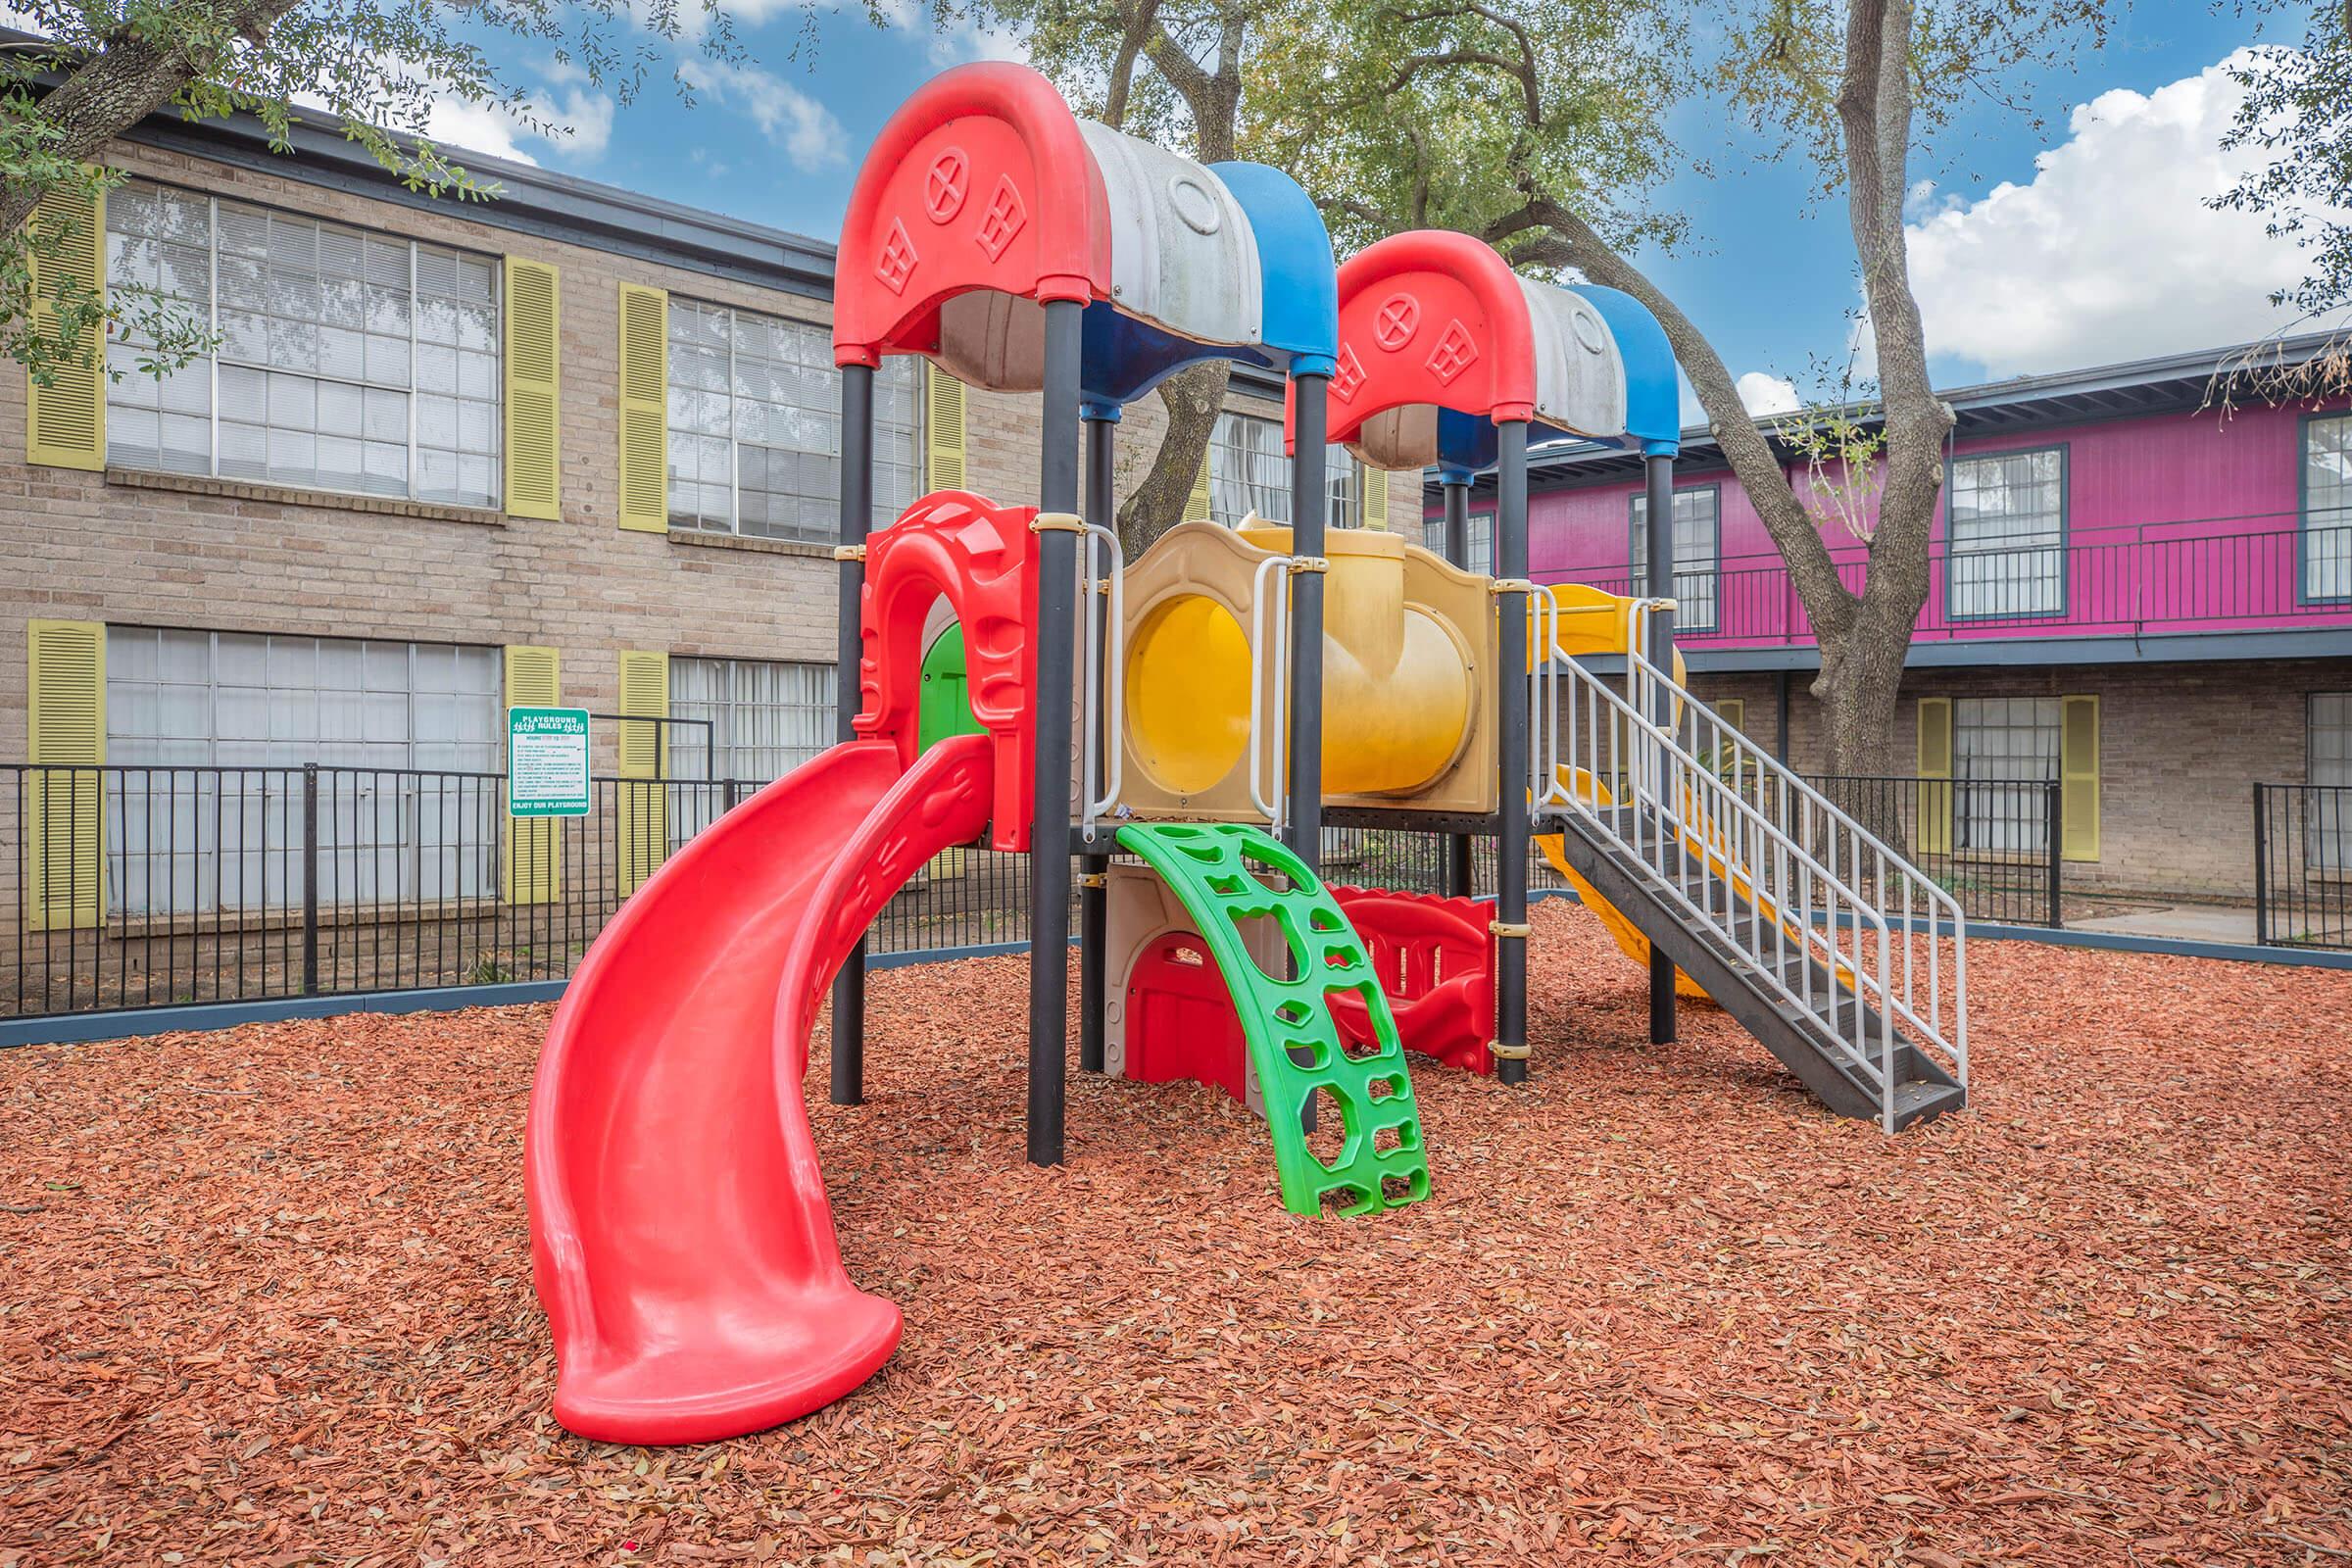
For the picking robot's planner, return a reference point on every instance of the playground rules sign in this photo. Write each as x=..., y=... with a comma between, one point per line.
x=547, y=762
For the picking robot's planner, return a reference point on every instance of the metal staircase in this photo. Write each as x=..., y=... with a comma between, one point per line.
x=1845, y=961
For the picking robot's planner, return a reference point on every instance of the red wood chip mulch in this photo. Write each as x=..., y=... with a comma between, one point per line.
x=268, y=1300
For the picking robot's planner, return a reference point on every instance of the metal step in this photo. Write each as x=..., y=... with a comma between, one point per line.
x=1805, y=1036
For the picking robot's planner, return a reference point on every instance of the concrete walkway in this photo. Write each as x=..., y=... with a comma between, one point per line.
x=2189, y=922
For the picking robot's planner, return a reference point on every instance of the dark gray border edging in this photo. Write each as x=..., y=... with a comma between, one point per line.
x=2176, y=947
x=77, y=1028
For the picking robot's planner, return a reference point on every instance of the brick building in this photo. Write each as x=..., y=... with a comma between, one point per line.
x=2141, y=598
x=574, y=444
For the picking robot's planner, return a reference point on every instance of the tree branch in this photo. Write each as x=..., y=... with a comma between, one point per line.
x=132, y=77
x=1574, y=243
x=1133, y=28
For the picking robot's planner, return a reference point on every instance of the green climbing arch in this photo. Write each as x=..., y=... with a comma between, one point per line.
x=1216, y=868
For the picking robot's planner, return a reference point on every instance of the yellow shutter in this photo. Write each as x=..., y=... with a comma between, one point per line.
x=534, y=845
x=643, y=755
x=1375, y=483
x=1196, y=508
x=2078, y=778
x=66, y=726
x=1935, y=763
x=943, y=431
x=644, y=409
x=1733, y=712
x=533, y=379
x=65, y=423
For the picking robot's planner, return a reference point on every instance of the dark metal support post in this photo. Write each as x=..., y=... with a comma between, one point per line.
x=310, y=879
x=2054, y=814
x=1307, y=501
x=1456, y=481
x=857, y=519
x=1511, y=838
x=2262, y=872
x=1094, y=907
x=1054, y=683
x=1658, y=542
x=1779, y=733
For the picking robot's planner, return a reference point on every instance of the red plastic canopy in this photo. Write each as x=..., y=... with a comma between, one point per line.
x=981, y=181
x=1432, y=319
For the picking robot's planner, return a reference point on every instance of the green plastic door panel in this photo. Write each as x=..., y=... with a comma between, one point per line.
x=946, y=704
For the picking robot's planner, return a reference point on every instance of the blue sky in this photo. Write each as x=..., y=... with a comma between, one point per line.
x=2079, y=241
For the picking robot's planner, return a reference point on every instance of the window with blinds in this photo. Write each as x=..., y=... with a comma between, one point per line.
x=768, y=716
x=1697, y=554
x=347, y=360
x=2006, y=539
x=754, y=427
x=1482, y=541
x=1249, y=473
x=2328, y=507
x=2328, y=837
x=213, y=728
x=2003, y=740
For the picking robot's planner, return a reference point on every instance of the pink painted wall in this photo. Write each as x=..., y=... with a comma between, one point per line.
x=2174, y=523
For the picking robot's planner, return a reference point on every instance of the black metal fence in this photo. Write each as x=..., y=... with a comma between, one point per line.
x=2303, y=865
x=141, y=887
x=1993, y=844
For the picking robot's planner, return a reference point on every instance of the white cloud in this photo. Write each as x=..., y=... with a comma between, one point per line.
x=572, y=103
x=568, y=114
x=461, y=125
x=1762, y=393
x=813, y=138
x=964, y=39
x=2109, y=253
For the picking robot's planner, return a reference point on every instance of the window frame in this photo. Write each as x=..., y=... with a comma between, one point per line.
x=2311, y=735
x=411, y=392
x=2304, y=598
x=1960, y=781
x=917, y=427
x=1474, y=521
x=407, y=787
x=2063, y=544
x=1639, y=502
x=723, y=712
x=1353, y=472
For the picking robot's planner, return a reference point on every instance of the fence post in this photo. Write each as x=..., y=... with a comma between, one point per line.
x=310, y=879
x=2262, y=872
x=2053, y=820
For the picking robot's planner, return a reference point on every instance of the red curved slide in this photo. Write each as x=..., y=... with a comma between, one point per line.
x=681, y=1237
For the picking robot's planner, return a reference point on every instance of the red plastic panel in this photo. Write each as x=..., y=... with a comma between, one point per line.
x=1432, y=316
x=1180, y=1018
x=981, y=181
x=681, y=1241
x=979, y=556
x=1435, y=962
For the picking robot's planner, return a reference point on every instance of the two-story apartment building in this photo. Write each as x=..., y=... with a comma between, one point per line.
x=2133, y=593
x=571, y=445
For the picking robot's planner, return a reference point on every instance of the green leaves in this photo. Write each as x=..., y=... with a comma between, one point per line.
x=2298, y=114
x=375, y=70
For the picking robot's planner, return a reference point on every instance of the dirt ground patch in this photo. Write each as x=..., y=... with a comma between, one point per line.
x=267, y=1300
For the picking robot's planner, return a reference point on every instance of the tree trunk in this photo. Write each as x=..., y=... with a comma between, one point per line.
x=1193, y=398
x=117, y=88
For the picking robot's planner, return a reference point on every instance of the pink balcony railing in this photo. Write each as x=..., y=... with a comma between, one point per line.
x=2263, y=574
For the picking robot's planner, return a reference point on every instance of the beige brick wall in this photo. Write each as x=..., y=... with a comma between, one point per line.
x=2182, y=747
x=252, y=559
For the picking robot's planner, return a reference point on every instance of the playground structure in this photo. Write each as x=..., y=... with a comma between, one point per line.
x=1169, y=711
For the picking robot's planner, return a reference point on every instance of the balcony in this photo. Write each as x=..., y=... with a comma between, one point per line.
x=2242, y=578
